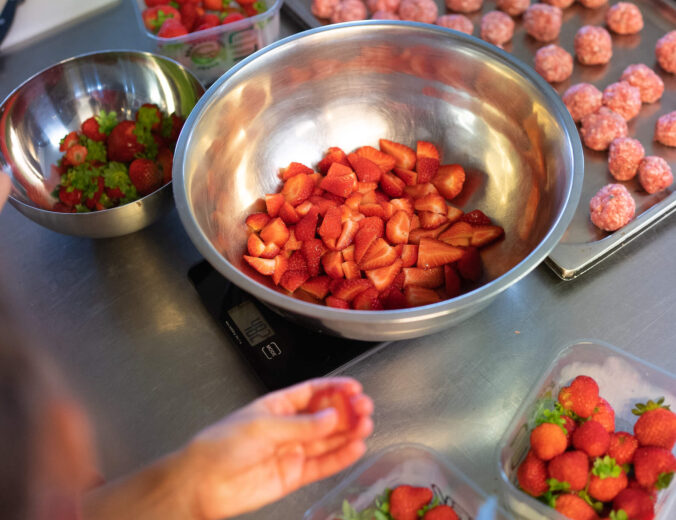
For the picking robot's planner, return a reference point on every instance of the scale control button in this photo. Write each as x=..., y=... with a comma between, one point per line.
x=271, y=350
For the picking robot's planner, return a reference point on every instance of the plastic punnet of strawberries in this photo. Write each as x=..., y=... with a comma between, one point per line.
x=586, y=470
x=371, y=230
x=108, y=163
x=404, y=503
x=172, y=18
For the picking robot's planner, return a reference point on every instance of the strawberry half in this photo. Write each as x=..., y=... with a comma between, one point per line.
x=427, y=161
x=334, y=154
x=433, y=253
x=338, y=400
x=383, y=277
x=449, y=180
x=298, y=188
x=384, y=161
x=366, y=170
x=404, y=156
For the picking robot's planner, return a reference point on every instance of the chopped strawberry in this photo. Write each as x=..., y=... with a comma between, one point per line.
x=453, y=214
x=409, y=255
x=294, y=168
x=342, y=186
x=409, y=177
x=418, y=233
x=254, y=245
x=429, y=220
x=312, y=250
x=392, y=185
x=334, y=154
x=459, y=234
x=331, y=226
x=317, y=286
x=297, y=261
x=274, y=203
x=379, y=254
x=404, y=156
x=347, y=234
x=366, y=187
x=275, y=231
x=351, y=270
x=303, y=208
x=307, y=226
x=288, y=214
x=449, y=180
x=292, y=280
x=292, y=244
x=427, y=161
x=76, y=155
x=416, y=296
x=452, y=282
x=265, y=266
x=367, y=300
x=348, y=252
x=354, y=200
x=404, y=204
x=340, y=401
x=144, y=175
x=298, y=188
x=348, y=289
x=469, y=266
x=433, y=253
x=370, y=229
x=68, y=141
x=433, y=203
x=476, y=217
x=336, y=303
x=271, y=250
x=483, y=235
x=366, y=170
x=420, y=190
x=332, y=261
x=429, y=278
x=383, y=277
x=372, y=209
x=398, y=228
x=384, y=161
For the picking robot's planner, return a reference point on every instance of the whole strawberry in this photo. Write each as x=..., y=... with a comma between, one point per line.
x=581, y=397
x=656, y=425
x=592, y=438
x=604, y=414
x=532, y=475
x=548, y=440
x=440, y=512
x=575, y=508
x=654, y=467
x=145, y=176
x=622, y=447
x=607, y=479
x=571, y=467
x=406, y=500
x=636, y=503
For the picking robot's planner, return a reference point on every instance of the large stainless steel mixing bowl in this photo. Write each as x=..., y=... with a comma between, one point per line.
x=55, y=101
x=348, y=85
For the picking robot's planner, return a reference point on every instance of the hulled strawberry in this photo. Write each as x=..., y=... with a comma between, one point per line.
x=122, y=143
x=656, y=425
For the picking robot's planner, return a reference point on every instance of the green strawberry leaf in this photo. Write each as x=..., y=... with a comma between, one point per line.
x=597, y=506
x=618, y=515
x=606, y=467
x=544, y=415
x=650, y=405
x=107, y=121
x=548, y=498
x=555, y=485
x=664, y=480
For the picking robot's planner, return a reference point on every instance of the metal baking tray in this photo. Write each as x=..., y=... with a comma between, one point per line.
x=583, y=245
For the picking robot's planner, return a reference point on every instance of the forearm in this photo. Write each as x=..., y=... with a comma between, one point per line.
x=157, y=492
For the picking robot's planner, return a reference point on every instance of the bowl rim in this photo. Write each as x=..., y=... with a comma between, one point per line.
x=107, y=52
x=472, y=298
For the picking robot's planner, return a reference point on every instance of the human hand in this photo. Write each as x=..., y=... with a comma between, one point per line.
x=5, y=186
x=272, y=447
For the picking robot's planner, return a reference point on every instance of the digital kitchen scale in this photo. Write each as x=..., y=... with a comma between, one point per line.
x=280, y=352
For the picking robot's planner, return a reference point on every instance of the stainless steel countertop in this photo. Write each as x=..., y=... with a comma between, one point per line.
x=124, y=322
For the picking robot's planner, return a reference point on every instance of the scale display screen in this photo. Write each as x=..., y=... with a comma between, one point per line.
x=251, y=322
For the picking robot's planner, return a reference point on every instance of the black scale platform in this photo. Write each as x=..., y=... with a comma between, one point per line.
x=280, y=352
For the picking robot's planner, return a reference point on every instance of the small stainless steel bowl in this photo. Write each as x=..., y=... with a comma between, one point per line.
x=348, y=85
x=55, y=101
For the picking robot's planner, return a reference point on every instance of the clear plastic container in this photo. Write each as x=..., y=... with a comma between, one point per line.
x=623, y=380
x=407, y=463
x=209, y=53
